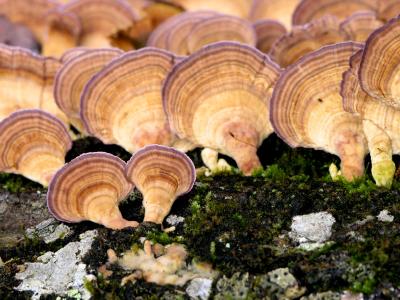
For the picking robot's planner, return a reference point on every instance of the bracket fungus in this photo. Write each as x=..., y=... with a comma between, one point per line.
x=218, y=98
x=277, y=10
x=100, y=19
x=33, y=144
x=305, y=39
x=122, y=103
x=359, y=26
x=26, y=81
x=306, y=107
x=72, y=77
x=89, y=188
x=161, y=174
x=268, y=32
x=380, y=124
x=309, y=10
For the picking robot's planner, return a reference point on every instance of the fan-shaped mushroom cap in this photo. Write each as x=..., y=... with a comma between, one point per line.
x=26, y=81
x=101, y=19
x=33, y=144
x=309, y=10
x=381, y=123
x=239, y=8
x=388, y=9
x=359, y=26
x=221, y=28
x=122, y=103
x=172, y=34
x=218, y=98
x=161, y=174
x=90, y=187
x=379, y=72
x=73, y=76
x=73, y=52
x=306, y=107
x=305, y=39
x=278, y=10
x=268, y=32
x=62, y=32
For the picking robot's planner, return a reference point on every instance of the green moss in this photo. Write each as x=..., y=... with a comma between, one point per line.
x=16, y=183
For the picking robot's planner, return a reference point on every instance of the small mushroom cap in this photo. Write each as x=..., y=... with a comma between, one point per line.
x=90, y=187
x=33, y=144
x=122, y=103
x=218, y=98
x=173, y=33
x=379, y=71
x=221, y=28
x=26, y=81
x=161, y=174
x=309, y=10
x=73, y=52
x=306, y=107
x=101, y=18
x=239, y=8
x=305, y=39
x=359, y=26
x=277, y=10
x=73, y=76
x=268, y=32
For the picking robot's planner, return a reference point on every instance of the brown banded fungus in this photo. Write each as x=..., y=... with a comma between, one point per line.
x=26, y=81
x=72, y=77
x=359, y=26
x=238, y=8
x=221, y=28
x=33, y=144
x=122, y=103
x=370, y=89
x=161, y=174
x=172, y=34
x=100, y=19
x=277, y=10
x=90, y=187
x=268, y=32
x=218, y=98
x=305, y=39
x=309, y=10
x=306, y=107
x=388, y=9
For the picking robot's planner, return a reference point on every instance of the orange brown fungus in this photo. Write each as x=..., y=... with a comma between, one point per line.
x=388, y=9
x=268, y=32
x=238, y=8
x=305, y=39
x=122, y=103
x=277, y=10
x=306, y=107
x=379, y=72
x=73, y=76
x=90, y=187
x=359, y=26
x=100, y=19
x=161, y=174
x=33, y=144
x=26, y=81
x=309, y=10
x=218, y=98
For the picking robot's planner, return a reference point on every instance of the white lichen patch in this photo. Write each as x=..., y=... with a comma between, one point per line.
x=385, y=216
x=285, y=280
x=199, y=288
x=49, y=231
x=169, y=268
x=58, y=272
x=174, y=220
x=312, y=228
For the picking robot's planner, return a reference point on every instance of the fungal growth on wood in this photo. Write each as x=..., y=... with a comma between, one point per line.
x=33, y=144
x=306, y=108
x=161, y=174
x=90, y=187
x=218, y=98
x=122, y=103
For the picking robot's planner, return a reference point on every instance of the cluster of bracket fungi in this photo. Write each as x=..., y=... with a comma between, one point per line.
x=221, y=75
